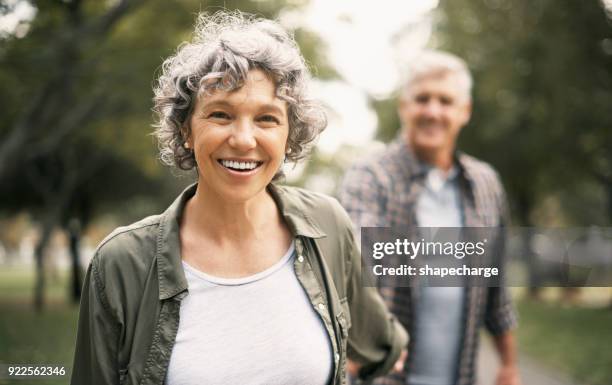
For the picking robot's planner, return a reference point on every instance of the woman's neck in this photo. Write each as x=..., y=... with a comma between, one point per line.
x=225, y=221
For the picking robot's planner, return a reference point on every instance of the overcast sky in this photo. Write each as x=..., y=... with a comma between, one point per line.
x=368, y=42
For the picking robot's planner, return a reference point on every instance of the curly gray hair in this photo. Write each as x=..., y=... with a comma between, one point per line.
x=225, y=47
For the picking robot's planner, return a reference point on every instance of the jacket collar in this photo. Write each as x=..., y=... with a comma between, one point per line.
x=171, y=276
x=170, y=271
x=295, y=212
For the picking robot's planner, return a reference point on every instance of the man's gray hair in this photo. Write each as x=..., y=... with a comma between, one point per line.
x=225, y=47
x=433, y=63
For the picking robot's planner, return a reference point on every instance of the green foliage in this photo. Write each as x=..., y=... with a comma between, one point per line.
x=388, y=120
x=543, y=90
x=79, y=92
x=313, y=48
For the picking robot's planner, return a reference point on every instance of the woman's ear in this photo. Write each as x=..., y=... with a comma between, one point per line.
x=185, y=134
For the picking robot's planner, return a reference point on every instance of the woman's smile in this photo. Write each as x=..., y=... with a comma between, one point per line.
x=240, y=167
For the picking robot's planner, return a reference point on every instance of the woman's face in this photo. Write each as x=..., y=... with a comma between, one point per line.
x=239, y=138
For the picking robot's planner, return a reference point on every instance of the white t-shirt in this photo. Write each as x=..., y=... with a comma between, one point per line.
x=256, y=330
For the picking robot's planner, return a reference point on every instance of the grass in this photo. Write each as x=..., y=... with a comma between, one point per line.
x=17, y=285
x=27, y=337
x=37, y=339
x=574, y=340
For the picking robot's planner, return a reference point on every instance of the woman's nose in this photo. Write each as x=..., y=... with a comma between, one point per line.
x=243, y=136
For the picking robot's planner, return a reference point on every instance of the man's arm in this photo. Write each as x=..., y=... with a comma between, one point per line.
x=501, y=315
x=506, y=347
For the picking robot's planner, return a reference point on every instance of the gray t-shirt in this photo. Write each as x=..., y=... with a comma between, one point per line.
x=257, y=330
x=438, y=328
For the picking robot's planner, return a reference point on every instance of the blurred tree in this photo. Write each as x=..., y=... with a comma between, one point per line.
x=388, y=120
x=48, y=99
x=542, y=96
x=76, y=101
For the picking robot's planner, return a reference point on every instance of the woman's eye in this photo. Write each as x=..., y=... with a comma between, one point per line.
x=269, y=119
x=219, y=115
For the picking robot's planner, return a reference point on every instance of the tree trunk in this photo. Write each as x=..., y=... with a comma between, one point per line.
x=74, y=234
x=49, y=223
x=524, y=210
x=55, y=206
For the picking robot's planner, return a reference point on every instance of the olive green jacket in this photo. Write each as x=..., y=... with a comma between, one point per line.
x=129, y=312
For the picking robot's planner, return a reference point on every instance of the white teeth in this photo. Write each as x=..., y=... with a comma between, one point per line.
x=239, y=165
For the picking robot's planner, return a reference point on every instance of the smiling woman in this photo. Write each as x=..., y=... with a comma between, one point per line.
x=224, y=49
x=241, y=280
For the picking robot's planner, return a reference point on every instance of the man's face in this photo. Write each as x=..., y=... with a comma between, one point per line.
x=433, y=110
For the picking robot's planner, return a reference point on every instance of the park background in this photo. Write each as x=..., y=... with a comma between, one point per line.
x=77, y=158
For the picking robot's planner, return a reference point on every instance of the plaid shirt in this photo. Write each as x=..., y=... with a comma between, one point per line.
x=382, y=192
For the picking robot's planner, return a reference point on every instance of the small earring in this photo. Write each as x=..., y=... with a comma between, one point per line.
x=186, y=145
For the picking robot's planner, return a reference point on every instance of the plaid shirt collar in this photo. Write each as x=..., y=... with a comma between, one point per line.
x=414, y=168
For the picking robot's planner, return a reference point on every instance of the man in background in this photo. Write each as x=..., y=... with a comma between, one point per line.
x=422, y=180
